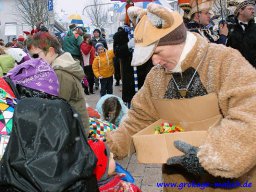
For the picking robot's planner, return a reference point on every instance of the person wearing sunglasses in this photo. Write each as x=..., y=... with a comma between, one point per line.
x=200, y=17
x=69, y=71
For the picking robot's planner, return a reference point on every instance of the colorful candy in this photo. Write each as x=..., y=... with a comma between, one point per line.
x=168, y=128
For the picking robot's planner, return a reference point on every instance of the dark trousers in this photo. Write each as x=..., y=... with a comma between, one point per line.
x=90, y=76
x=117, y=69
x=106, y=86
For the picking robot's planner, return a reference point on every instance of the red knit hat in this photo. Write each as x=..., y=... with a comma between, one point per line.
x=21, y=38
x=102, y=153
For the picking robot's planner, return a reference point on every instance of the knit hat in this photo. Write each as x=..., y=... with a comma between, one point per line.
x=98, y=45
x=200, y=5
x=97, y=31
x=102, y=153
x=72, y=26
x=36, y=74
x=160, y=26
x=21, y=38
x=242, y=5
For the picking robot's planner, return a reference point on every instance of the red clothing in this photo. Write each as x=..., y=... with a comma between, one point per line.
x=115, y=184
x=4, y=85
x=87, y=51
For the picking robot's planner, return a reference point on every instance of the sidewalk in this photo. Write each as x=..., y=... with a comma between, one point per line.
x=146, y=175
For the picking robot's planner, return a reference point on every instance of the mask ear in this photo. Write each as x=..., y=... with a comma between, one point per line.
x=159, y=16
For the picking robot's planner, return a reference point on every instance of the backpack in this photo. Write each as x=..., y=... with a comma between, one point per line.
x=47, y=150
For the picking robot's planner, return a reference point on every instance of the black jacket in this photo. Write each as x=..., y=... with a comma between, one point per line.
x=47, y=150
x=122, y=51
x=244, y=41
x=100, y=40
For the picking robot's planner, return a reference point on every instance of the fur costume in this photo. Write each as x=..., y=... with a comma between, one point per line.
x=229, y=149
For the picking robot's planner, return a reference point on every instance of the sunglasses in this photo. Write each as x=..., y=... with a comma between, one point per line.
x=35, y=55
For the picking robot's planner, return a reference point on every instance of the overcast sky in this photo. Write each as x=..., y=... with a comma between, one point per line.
x=73, y=6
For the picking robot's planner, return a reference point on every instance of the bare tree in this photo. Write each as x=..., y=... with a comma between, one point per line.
x=97, y=12
x=32, y=11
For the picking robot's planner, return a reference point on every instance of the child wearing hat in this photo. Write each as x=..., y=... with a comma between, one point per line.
x=108, y=179
x=103, y=68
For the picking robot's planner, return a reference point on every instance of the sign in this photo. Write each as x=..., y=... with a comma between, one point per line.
x=10, y=29
x=50, y=5
x=116, y=6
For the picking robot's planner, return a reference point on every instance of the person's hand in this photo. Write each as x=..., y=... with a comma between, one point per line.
x=100, y=77
x=131, y=43
x=223, y=29
x=189, y=161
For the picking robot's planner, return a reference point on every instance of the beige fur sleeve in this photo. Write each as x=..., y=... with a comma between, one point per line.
x=230, y=147
x=141, y=115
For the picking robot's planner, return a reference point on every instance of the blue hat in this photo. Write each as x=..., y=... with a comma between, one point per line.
x=98, y=45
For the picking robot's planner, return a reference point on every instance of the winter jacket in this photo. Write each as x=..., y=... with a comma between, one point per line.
x=244, y=41
x=123, y=111
x=70, y=75
x=100, y=40
x=103, y=64
x=229, y=148
x=71, y=43
x=88, y=53
x=6, y=63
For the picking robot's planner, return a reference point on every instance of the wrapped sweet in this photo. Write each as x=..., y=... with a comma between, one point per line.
x=166, y=127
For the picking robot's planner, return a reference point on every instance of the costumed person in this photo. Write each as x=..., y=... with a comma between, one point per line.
x=188, y=70
x=200, y=16
x=69, y=71
x=39, y=27
x=108, y=179
x=111, y=108
x=242, y=35
x=47, y=150
x=88, y=53
x=103, y=68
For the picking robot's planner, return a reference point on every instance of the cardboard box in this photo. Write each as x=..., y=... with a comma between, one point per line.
x=157, y=148
x=195, y=115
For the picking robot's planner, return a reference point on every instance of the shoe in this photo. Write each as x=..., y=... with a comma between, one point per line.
x=91, y=92
x=117, y=83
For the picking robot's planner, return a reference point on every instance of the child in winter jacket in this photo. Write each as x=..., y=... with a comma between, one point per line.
x=88, y=53
x=108, y=179
x=111, y=108
x=103, y=68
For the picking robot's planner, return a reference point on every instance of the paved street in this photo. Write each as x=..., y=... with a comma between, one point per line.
x=146, y=175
